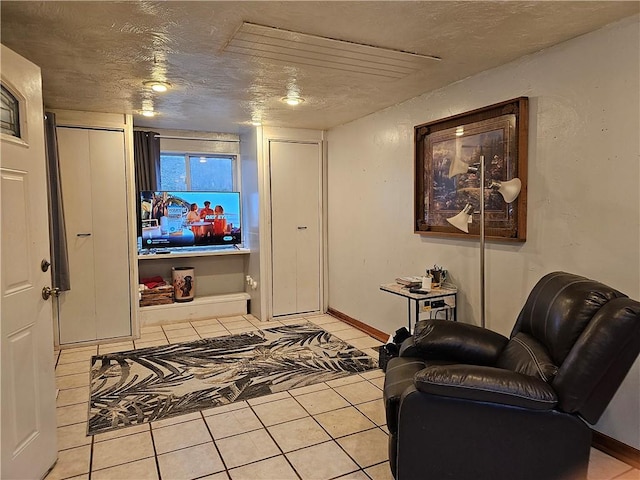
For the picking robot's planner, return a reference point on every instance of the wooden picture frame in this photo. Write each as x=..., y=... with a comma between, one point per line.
x=445, y=148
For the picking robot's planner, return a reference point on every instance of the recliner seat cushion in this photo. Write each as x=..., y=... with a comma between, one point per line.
x=486, y=384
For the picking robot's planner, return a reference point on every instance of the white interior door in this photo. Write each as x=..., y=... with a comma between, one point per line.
x=29, y=446
x=295, y=227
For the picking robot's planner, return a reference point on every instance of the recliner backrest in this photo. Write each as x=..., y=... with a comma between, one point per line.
x=582, y=333
x=600, y=359
x=559, y=308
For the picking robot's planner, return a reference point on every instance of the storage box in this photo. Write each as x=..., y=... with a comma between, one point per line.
x=156, y=296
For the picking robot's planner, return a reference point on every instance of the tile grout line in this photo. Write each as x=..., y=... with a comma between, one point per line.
x=273, y=439
x=333, y=439
x=155, y=452
x=91, y=457
x=215, y=445
x=623, y=473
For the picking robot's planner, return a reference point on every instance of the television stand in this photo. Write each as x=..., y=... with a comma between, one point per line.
x=220, y=284
x=206, y=306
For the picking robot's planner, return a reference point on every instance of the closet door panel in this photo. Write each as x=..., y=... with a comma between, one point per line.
x=77, y=306
x=308, y=226
x=283, y=231
x=111, y=262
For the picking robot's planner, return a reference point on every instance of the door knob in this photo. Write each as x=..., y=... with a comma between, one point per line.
x=48, y=292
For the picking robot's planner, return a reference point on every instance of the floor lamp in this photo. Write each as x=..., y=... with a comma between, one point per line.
x=509, y=190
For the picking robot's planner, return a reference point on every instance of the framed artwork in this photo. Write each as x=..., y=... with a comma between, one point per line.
x=447, y=176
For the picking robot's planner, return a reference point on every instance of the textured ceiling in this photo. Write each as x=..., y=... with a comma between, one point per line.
x=96, y=55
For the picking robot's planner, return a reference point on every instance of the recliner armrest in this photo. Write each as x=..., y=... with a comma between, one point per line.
x=408, y=349
x=486, y=384
x=459, y=342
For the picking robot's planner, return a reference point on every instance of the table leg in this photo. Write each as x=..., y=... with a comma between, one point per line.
x=409, y=313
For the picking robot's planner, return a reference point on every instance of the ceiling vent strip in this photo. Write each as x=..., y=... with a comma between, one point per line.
x=326, y=53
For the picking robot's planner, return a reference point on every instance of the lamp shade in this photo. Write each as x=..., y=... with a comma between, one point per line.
x=457, y=167
x=509, y=189
x=461, y=220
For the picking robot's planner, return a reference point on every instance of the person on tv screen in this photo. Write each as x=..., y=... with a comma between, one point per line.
x=219, y=221
x=160, y=203
x=207, y=215
x=193, y=215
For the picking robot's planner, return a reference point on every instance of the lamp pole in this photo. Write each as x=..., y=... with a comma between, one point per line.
x=482, y=295
x=509, y=190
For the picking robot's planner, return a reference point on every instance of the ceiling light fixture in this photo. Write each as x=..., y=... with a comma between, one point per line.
x=148, y=113
x=292, y=100
x=157, y=86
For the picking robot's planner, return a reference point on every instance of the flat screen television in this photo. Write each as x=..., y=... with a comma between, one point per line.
x=189, y=219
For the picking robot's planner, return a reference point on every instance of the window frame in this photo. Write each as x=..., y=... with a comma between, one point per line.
x=235, y=158
x=17, y=111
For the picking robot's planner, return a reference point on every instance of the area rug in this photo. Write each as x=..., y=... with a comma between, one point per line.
x=139, y=386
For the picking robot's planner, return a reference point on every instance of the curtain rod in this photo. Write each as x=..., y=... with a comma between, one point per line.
x=173, y=137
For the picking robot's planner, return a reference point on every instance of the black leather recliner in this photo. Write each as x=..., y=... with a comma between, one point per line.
x=463, y=402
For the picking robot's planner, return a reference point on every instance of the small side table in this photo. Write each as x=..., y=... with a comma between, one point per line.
x=438, y=300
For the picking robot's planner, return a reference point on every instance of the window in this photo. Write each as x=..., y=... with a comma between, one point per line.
x=10, y=118
x=182, y=172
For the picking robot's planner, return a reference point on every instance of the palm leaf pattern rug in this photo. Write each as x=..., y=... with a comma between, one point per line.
x=138, y=386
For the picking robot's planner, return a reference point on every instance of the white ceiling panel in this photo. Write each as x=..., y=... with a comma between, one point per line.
x=326, y=53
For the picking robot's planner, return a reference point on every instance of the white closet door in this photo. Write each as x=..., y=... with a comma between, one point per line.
x=110, y=231
x=295, y=227
x=92, y=164
x=77, y=306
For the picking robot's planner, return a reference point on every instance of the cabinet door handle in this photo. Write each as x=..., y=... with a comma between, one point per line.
x=83, y=235
x=302, y=228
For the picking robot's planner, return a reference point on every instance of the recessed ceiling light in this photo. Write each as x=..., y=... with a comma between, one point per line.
x=157, y=86
x=292, y=100
x=256, y=123
x=148, y=113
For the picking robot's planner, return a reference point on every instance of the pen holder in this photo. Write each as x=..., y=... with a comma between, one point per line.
x=438, y=277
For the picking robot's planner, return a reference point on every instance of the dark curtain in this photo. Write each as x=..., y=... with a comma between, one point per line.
x=60, y=277
x=146, y=155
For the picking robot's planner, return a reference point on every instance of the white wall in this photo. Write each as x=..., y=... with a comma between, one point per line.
x=583, y=200
x=249, y=153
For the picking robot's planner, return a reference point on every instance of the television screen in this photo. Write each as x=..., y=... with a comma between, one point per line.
x=188, y=219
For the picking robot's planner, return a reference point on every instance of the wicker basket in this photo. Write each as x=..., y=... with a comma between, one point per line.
x=156, y=296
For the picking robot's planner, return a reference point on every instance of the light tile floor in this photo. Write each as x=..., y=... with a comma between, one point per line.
x=333, y=430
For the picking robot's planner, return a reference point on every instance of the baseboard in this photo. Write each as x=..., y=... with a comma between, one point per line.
x=610, y=446
x=368, y=329
x=623, y=452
